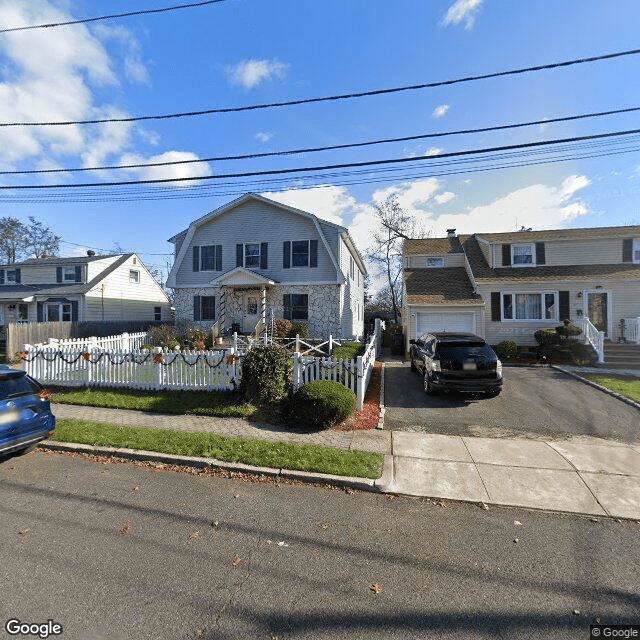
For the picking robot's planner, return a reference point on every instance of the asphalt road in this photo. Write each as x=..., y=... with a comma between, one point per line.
x=537, y=403
x=121, y=551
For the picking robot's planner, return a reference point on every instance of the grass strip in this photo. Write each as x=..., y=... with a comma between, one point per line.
x=626, y=387
x=279, y=455
x=204, y=403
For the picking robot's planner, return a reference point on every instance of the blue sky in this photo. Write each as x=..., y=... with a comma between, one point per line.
x=243, y=52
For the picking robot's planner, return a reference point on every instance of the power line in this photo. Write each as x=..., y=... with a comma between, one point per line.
x=345, y=165
x=334, y=147
x=111, y=17
x=345, y=96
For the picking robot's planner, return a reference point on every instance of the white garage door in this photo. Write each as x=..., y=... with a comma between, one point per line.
x=444, y=322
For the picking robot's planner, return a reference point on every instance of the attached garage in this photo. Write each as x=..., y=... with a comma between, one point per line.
x=459, y=321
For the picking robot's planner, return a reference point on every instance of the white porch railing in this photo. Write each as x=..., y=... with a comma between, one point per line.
x=631, y=330
x=591, y=336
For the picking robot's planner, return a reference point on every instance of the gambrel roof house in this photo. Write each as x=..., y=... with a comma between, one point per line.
x=254, y=260
x=84, y=288
x=505, y=286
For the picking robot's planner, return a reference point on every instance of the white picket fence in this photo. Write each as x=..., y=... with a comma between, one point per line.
x=220, y=370
x=134, y=369
x=124, y=342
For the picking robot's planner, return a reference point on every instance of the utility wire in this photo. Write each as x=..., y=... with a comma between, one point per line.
x=345, y=165
x=111, y=17
x=334, y=147
x=346, y=96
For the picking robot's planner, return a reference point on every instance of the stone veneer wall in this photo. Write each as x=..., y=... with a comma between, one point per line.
x=324, y=306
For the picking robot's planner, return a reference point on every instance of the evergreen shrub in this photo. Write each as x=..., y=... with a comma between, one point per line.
x=322, y=403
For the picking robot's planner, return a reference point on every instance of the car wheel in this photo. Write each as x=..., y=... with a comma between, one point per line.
x=413, y=366
x=428, y=387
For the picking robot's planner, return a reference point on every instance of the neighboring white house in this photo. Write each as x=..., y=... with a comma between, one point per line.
x=87, y=288
x=255, y=259
x=505, y=286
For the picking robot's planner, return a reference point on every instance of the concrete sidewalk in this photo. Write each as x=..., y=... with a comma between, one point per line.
x=588, y=476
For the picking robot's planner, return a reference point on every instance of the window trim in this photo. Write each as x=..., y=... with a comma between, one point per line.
x=69, y=271
x=157, y=314
x=61, y=311
x=211, y=305
x=307, y=253
x=556, y=305
x=15, y=273
x=134, y=276
x=532, y=248
x=244, y=255
x=635, y=249
x=287, y=310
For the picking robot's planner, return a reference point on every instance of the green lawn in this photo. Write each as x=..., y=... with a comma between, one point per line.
x=629, y=388
x=279, y=455
x=203, y=403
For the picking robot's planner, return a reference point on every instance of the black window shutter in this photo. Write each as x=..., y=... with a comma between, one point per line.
x=286, y=303
x=78, y=274
x=59, y=274
x=196, y=258
x=563, y=305
x=286, y=254
x=74, y=311
x=495, y=306
x=313, y=253
x=506, y=255
x=1, y=276
x=264, y=248
x=218, y=257
x=17, y=276
x=540, y=256
x=40, y=312
x=196, y=307
x=627, y=250
x=239, y=255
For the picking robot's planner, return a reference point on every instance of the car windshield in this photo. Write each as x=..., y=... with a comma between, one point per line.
x=11, y=387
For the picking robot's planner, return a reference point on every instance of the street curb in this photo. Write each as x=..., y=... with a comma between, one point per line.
x=595, y=385
x=139, y=455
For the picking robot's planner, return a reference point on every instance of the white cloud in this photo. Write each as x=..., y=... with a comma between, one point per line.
x=134, y=68
x=189, y=170
x=251, y=73
x=441, y=111
x=462, y=11
x=433, y=151
x=445, y=197
x=263, y=136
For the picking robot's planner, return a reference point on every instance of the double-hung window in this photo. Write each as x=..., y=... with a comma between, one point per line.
x=252, y=255
x=296, y=306
x=204, y=308
x=522, y=254
x=207, y=257
x=58, y=312
x=529, y=306
x=299, y=253
x=68, y=274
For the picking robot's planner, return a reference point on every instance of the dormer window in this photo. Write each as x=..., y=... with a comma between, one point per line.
x=522, y=254
x=434, y=262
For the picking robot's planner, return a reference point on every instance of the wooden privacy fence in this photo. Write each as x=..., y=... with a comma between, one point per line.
x=134, y=369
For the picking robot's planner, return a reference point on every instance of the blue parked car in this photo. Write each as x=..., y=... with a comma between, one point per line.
x=25, y=411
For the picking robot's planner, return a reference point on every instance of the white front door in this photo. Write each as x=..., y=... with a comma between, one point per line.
x=250, y=311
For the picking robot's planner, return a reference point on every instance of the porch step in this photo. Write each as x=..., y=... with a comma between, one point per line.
x=621, y=356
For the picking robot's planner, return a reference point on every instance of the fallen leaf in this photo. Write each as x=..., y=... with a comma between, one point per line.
x=349, y=491
x=391, y=498
x=376, y=588
x=441, y=503
x=194, y=535
x=199, y=633
x=237, y=495
x=516, y=540
x=24, y=531
x=126, y=528
x=517, y=523
x=593, y=519
x=236, y=560
x=215, y=524
x=324, y=525
x=484, y=506
x=282, y=544
x=136, y=488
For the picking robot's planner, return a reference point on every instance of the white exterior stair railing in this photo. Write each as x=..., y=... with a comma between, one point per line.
x=592, y=336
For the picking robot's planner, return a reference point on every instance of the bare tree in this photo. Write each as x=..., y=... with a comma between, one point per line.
x=19, y=240
x=396, y=225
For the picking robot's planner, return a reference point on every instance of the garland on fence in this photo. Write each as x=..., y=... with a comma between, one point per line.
x=158, y=358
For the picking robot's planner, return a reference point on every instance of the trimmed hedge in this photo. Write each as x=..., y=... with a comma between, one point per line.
x=348, y=351
x=322, y=403
x=507, y=349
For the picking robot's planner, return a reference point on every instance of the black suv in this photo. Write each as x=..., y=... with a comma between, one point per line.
x=456, y=362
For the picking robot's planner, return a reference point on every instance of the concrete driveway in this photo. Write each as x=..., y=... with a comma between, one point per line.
x=536, y=403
